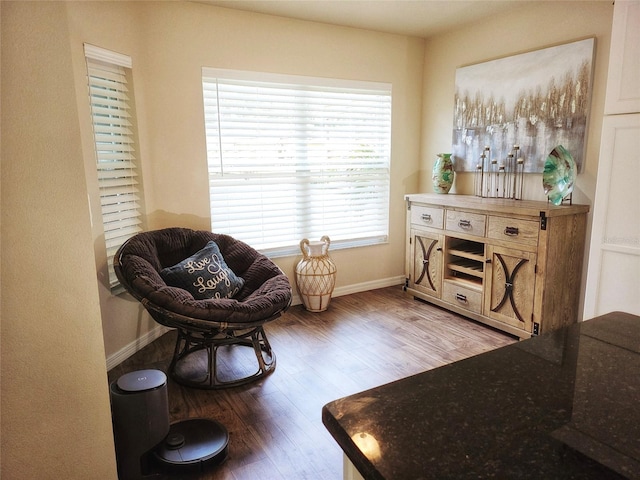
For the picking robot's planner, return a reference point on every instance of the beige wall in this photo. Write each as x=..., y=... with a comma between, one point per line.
x=55, y=405
x=116, y=26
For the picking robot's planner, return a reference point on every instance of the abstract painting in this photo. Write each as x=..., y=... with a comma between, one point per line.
x=536, y=100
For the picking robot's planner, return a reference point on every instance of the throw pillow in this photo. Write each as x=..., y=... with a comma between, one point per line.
x=204, y=274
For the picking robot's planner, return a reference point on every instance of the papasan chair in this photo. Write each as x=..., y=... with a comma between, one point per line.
x=217, y=292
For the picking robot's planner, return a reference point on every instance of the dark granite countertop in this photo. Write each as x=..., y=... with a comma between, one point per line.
x=564, y=405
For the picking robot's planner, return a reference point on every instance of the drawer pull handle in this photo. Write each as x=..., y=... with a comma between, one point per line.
x=461, y=298
x=426, y=217
x=464, y=224
x=511, y=231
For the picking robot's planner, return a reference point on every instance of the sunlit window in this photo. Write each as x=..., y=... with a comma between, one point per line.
x=294, y=157
x=115, y=148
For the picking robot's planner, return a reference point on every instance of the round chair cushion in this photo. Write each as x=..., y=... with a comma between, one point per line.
x=266, y=290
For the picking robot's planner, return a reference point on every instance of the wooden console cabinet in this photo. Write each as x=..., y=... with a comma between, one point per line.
x=513, y=264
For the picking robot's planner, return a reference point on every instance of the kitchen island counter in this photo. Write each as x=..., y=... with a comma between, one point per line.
x=562, y=405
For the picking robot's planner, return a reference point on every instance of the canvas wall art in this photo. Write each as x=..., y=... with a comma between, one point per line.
x=536, y=100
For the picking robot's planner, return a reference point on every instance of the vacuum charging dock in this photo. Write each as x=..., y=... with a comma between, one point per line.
x=147, y=445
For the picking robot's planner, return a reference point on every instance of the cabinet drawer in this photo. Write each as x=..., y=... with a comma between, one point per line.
x=462, y=296
x=514, y=230
x=465, y=222
x=427, y=216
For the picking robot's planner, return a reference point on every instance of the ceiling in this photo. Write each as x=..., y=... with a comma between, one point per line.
x=421, y=18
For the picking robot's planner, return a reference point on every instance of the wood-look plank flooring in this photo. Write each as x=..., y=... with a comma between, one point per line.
x=362, y=341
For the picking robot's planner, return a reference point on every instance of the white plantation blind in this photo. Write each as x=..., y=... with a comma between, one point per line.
x=297, y=157
x=115, y=152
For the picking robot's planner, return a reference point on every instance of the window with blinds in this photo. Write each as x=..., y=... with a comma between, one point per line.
x=297, y=157
x=115, y=149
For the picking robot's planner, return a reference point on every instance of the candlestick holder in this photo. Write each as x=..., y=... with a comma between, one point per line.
x=495, y=179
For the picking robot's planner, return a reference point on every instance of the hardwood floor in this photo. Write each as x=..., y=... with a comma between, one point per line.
x=362, y=341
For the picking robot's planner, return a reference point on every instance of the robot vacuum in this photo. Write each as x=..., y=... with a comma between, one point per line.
x=146, y=444
x=194, y=445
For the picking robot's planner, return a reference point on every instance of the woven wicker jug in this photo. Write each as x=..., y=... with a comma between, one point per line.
x=315, y=274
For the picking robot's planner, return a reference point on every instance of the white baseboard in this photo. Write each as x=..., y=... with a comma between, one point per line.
x=159, y=330
x=135, y=346
x=356, y=288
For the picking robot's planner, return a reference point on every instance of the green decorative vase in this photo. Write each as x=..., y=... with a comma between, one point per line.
x=443, y=173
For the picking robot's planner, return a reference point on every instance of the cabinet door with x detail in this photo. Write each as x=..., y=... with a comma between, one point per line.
x=510, y=286
x=427, y=263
